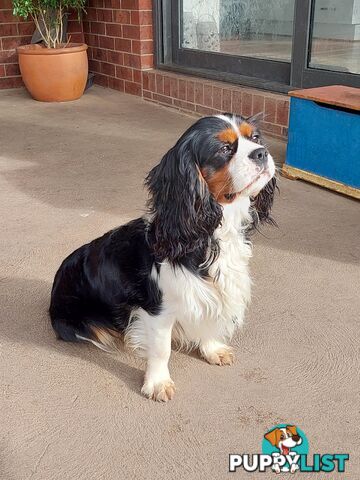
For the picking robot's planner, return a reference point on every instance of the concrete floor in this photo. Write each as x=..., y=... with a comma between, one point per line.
x=70, y=172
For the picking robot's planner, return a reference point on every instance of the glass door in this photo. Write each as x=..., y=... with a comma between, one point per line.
x=246, y=37
x=249, y=28
x=327, y=47
x=335, y=41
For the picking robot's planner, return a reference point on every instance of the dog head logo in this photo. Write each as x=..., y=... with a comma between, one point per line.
x=285, y=439
x=285, y=443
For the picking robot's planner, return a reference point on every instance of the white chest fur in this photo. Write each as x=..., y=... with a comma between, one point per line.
x=212, y=308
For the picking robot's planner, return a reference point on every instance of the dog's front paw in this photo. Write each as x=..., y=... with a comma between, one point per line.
x=223, y=355
x=160, y=391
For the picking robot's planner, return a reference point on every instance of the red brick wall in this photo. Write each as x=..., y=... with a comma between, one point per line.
x=120, y=38
x=75, y=29
x=14, y=32
x=206, y=97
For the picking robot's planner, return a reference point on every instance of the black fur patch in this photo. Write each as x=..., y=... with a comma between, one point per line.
x=102, y=282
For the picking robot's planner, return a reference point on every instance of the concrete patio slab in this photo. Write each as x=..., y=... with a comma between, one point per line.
x=68, y=173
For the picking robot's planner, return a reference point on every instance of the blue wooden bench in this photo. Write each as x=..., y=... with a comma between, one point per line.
x=324, y=138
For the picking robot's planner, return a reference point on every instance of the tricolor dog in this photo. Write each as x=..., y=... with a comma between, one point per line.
x=180, y=272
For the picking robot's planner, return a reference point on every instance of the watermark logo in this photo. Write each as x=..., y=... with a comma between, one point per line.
x=285, y=442
x=285, y=449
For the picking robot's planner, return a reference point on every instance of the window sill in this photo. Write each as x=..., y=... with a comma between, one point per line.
x=240, y=80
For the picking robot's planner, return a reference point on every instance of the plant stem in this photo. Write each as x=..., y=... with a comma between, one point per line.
x=47, y=31
x=61, y=22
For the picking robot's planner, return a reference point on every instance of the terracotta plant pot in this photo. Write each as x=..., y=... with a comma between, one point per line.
x=54, y=74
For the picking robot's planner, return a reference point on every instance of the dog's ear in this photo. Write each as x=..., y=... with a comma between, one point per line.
x=292, y=429
x=273, y=437
x=256, y=119
x=184, y=213
x=262, y=204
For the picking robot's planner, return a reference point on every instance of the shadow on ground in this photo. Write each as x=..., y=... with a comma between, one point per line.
x=33, y=328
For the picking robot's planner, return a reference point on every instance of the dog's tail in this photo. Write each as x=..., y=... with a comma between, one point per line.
x=104, y=338
x=92, y=330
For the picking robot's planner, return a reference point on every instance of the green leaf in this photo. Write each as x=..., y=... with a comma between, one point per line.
x=49, y=11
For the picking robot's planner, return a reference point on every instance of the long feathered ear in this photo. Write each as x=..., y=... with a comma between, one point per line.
x=184, y=213
x=256, y=119
x=262, y=204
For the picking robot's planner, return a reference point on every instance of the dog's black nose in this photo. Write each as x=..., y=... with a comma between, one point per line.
x=259, y=155
x=296, y=438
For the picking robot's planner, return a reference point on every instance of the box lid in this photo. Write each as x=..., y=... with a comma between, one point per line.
x=339, y=95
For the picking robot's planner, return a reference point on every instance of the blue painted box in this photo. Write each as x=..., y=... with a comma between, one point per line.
x=324, y=138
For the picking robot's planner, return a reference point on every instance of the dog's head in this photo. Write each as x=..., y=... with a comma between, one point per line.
x=217, y=161
x=284, y=438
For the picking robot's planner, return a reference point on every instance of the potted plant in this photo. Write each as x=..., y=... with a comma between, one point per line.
x=55, y=71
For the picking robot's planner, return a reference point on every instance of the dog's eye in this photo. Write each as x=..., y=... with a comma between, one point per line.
x=255, y=137
x=282, y=437
x=225, y=149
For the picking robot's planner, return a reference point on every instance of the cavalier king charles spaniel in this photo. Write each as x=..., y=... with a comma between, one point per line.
x=179, y=273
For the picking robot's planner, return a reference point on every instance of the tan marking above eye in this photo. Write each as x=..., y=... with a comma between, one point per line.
x=246, y=129
x=227, y=136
